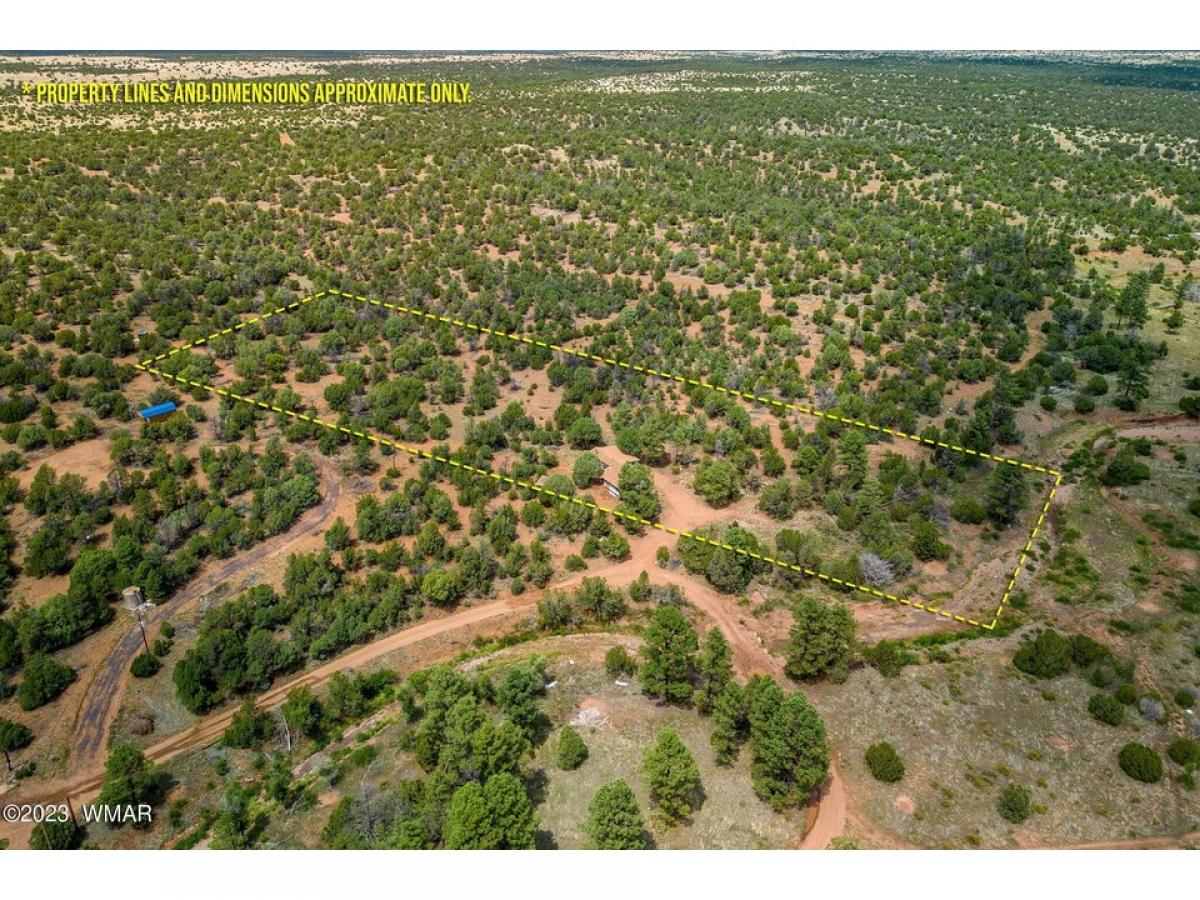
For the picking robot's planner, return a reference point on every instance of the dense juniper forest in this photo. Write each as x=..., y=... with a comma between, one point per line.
x=418, y=580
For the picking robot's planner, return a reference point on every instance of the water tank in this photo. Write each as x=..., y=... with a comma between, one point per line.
x=133, y=597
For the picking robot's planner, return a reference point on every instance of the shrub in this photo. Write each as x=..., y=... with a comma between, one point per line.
x=1124, y=470
x=1047, y=655
x=1140, y=763
x=43, y=681
x=1084, y=404
x=571, y=750
x=618, y=662
x=968, y=510
x=1184, y=698
x=144, y=665
x=1152, y=709
x=1049, y=403
x=889, y=657
x=1014, y=804
x=1097, y=386
x=1107, y=709
x=57, y=836
x=1086, y=652
x=884, y=762
x=1126, y=694
x=1185, y=752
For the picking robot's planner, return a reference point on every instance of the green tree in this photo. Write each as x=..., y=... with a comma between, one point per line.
x=1124, y=470
x=144, y=665
x=673, y=777
x=717, y=482
x=439, y=588
x=494, y=816
x=714, y=667
x=498, y=749
x=729, y=723
x=1140, y=763
x=571, y=751
x=42, y=680
x=587, y=469
x=614, y=821
x=884, y=762
x=1014, y=804
x=668, y=655
x=517, y=696
x=821, y=641
x=1007, y=493
x=618, y=662
x=852, y=455
x=639, y=496
x=248, y=727
x=1047, y=655
x=583, y=433
x=304, y=713
x=129, y=779
x=789, y=750
x=1106, y=708
x=1133, y=381
x=65, y=835
x=13, y=737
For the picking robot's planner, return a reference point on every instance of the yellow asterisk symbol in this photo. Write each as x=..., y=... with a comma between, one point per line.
x=27, y=87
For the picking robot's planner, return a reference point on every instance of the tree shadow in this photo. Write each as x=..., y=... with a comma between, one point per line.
x=536, y=784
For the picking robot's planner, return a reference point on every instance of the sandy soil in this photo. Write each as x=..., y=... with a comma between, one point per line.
x=103, y=695
x=87, y=459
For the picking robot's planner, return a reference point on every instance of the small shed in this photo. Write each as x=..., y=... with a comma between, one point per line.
x=157, y=411
x=612, y=459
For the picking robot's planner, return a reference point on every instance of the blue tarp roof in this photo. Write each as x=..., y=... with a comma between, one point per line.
x=161, y=409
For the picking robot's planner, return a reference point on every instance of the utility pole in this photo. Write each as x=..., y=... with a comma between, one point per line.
x=137, y=604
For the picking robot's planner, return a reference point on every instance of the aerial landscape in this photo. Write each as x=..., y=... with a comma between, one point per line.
x=628, y=450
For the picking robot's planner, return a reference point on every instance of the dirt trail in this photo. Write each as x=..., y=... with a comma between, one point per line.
x=749, y=657
x=831, y=813
x=87, y=784
x=1173, y=428
x=95, y=717
x=1165, y=842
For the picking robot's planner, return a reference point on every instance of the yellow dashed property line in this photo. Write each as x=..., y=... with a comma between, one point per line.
x=682, y=379
x=581, y=501
x=757, y=398
x=1012, y=582
x=259, y=318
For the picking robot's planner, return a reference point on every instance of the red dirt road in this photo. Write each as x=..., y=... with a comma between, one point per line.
x=749, y=657
x=100, y=708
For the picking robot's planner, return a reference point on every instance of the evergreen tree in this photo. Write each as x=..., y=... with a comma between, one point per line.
x=303, y=712
x=65, y=835
x=639, y=497
x=571, y=752
x=42, y=680
x=13, y=737
x=668, y=655
x=673, y=776
x=790, y=753
x=852, y=454
x=614, y=820
x=129, y=779
x=494, y=816
x=729, y=723
x=1007, y=493
x=714, y=666
x=821, y=641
